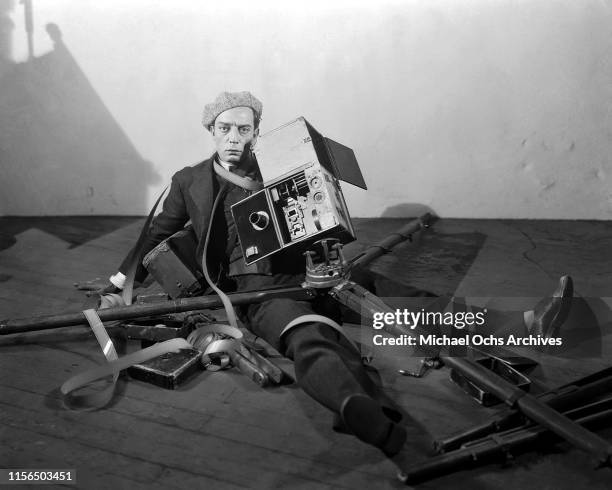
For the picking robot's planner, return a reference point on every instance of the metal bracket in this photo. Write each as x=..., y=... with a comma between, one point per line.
x=331, y=270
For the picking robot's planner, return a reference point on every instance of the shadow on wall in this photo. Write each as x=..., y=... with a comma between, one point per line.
x=407, y=210
x=61, y=150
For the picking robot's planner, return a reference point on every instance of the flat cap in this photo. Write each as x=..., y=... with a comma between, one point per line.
x=229, y=100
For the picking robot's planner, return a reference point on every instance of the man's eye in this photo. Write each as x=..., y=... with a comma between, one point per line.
x=224, y=129
x=245, y=130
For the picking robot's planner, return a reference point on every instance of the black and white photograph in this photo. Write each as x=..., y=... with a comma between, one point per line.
x=314, y=244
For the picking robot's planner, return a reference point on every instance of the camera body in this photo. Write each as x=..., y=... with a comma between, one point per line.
x=301, y=201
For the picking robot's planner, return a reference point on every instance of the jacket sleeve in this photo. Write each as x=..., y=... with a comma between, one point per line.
x=172, y=218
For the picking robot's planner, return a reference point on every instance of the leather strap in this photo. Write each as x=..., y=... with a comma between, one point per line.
x=130, y=274
x=227, y=304
x=315, y=319
x=112, y=368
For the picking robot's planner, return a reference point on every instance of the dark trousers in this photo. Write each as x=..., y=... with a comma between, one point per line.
x=327, y=367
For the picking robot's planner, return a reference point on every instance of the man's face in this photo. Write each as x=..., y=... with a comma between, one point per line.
x=232, y=131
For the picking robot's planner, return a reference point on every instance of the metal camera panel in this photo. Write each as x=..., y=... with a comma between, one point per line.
x=256, y=227
x=303, y=207
x=283, y=150
x=297, y=144
x=306, y=205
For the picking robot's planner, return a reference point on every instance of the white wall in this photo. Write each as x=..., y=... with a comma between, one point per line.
x=480, y=108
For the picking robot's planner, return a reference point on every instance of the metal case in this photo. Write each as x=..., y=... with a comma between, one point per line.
x=168, y=370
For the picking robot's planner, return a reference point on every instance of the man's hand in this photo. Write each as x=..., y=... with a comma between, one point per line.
x=97, y=287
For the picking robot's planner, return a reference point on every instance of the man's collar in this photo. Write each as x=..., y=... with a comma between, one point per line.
x=226, y=165
x=247, y=167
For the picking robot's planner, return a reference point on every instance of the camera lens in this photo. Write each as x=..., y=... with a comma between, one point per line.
x=259, y=220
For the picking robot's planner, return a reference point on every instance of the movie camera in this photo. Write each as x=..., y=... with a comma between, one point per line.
x=301, y=201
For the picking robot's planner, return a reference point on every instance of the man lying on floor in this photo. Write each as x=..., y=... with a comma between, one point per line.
x=327, y=366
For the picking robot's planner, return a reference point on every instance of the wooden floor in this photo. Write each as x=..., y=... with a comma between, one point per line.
x=219, y=430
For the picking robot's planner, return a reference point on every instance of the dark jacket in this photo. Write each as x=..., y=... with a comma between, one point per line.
x=191, y=197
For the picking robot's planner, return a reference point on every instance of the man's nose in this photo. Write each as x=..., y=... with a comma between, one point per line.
x=233, y=135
